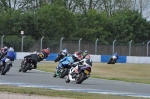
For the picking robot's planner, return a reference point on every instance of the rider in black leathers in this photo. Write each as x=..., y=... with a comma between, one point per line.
x=38, y=57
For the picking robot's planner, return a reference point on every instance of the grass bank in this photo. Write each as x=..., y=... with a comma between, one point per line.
x=55, y=93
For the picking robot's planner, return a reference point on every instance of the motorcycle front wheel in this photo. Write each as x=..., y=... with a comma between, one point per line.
x=5, y=69
x=26, y=67
x=80, y=78
x=67, y=79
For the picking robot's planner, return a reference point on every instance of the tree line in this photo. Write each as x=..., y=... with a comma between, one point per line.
x=74, y=19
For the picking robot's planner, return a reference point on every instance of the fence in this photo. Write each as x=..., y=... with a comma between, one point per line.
x=124, y=49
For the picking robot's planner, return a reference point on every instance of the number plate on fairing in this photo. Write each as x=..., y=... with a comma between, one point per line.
x=86, y=71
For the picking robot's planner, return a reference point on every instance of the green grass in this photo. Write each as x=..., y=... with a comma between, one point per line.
x=56, y=93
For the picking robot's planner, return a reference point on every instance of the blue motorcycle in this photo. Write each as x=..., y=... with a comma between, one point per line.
x=113, y=59
x=7, y=61
x=63, y=67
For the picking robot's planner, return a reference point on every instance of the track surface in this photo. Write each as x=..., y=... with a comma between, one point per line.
x=41, y=79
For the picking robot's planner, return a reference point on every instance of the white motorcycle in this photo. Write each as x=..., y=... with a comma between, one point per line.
x=79, y=73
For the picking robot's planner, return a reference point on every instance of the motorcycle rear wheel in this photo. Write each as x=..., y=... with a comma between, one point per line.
x=64, y=73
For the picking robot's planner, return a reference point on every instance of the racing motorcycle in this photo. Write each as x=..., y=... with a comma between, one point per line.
x=6, y=66
x=79, y=73
x=27, y=64
x=63, y=67
x=112, y=60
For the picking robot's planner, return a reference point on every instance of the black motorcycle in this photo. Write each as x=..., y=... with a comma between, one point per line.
x=27, y=64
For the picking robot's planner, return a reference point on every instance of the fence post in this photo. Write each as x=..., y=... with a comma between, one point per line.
x=147, y=47
x=42, y=42
x=130, y=47
x=113, y=45
x=79, y=43
x=22, y=44
x=61, y=43
x=96, y=46
x=2, y=41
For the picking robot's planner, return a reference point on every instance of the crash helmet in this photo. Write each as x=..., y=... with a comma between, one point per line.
x=77, y=56
x=11, y=49
x=41, y=55
x=85, y=51
x=5, y=48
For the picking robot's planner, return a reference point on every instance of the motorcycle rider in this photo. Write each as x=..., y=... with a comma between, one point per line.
x=77, y=65
x=46, y=52
x=116, y=55
x=85, y=53
x=10, y=55
x=37, y=57
x=63, y=52
x=67, y=61
x=3, y=52
x=78, y=56
x=84, y=61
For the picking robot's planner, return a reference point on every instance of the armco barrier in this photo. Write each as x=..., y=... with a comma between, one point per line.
x=95, y=58
x=135, y=59
x=20, y=55
x=52, y=57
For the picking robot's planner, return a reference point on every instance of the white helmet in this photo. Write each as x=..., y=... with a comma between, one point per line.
x=5, y=47
x=11, y=49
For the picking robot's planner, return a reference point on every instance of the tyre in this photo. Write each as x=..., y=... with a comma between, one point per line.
x=67, y=79
x=109, y=62
x=5, y=69
x=27, y=67
x=64, y=73
x=54, y=75
x=19, y=70
x=80, y=78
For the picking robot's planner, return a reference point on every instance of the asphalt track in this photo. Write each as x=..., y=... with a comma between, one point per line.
x=39, y=79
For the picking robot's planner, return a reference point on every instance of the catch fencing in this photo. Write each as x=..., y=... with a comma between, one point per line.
x=95, y=47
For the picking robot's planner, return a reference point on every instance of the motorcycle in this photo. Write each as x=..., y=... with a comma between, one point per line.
x=65, y=66
x=27, y=64
x=79, y=73
x=6, y=67
x=78, y=77
x=112, y=60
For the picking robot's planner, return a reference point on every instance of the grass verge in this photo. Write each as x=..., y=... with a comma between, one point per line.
x=55, y=93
